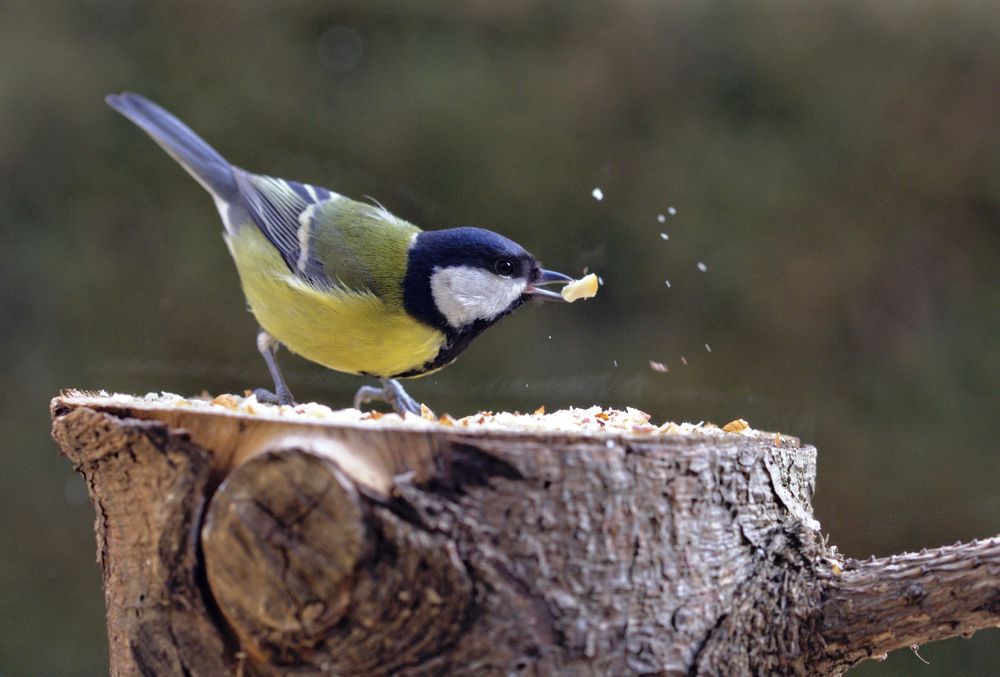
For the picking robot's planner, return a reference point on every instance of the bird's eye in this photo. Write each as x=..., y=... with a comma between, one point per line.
x=504, y=267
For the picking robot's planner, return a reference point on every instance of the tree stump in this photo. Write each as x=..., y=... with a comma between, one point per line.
x=234, y=543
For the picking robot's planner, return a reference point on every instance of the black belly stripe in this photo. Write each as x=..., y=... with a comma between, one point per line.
x=455, y=343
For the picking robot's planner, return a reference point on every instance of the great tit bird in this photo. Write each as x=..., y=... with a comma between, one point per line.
x=348, y=284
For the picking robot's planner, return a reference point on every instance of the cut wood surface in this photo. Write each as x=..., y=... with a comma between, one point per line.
x=257, y=540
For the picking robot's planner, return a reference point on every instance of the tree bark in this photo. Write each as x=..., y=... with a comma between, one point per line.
x=263, y=545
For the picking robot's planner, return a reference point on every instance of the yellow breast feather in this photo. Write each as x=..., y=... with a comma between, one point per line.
x=354, y=331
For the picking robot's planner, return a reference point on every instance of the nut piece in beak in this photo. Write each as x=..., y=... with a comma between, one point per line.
x=584, y=288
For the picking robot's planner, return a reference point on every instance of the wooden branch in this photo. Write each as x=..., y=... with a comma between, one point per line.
x=884, y=604
x=366, y=548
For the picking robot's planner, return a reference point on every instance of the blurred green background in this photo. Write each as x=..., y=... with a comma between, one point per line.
x=835, y=166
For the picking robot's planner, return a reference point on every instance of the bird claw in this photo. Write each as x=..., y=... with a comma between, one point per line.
x=365, y=395
x=392, y=393
x=265, y=396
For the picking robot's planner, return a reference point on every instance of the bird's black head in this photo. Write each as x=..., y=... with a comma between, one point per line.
x=461, y=277
x=463, y=280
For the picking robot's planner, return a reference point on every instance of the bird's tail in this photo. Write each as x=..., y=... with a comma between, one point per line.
x=200, y=160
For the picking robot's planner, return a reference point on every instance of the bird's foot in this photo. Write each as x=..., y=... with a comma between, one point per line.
x=268, y=347
x=391, y=393
x=265, y=396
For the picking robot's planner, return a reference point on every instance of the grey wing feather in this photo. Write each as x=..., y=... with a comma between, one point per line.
x=277, y=207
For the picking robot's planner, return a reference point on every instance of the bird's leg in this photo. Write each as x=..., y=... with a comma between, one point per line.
x=268, y=347
x=398, y=398
x=391, y=393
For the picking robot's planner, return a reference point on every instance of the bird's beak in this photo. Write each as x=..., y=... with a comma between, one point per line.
x=547, y=277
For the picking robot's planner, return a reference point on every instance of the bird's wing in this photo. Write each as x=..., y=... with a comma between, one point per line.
x=361, y=246
x=277, y=207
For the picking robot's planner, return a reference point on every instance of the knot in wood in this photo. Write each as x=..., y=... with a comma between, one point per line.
x=281, y=540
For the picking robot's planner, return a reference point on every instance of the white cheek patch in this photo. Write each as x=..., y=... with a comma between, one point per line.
x=464, y=294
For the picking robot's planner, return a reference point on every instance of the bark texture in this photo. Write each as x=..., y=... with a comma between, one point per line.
x=894, y=602
x=148, y=485
x=366, y=550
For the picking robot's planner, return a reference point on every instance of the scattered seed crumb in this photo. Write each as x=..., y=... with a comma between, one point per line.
x=735, y=426
x=702, y=267
x=615, y=363
x=684, y=360
x=658, y=366
x=550, y=338
x=661, y=218
x=671, y=211
x=600, y=280
x=667, y=282
x=664, y=236
x=707, y=347
x=228, y=401
x=598, y=194
x=592, y=420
